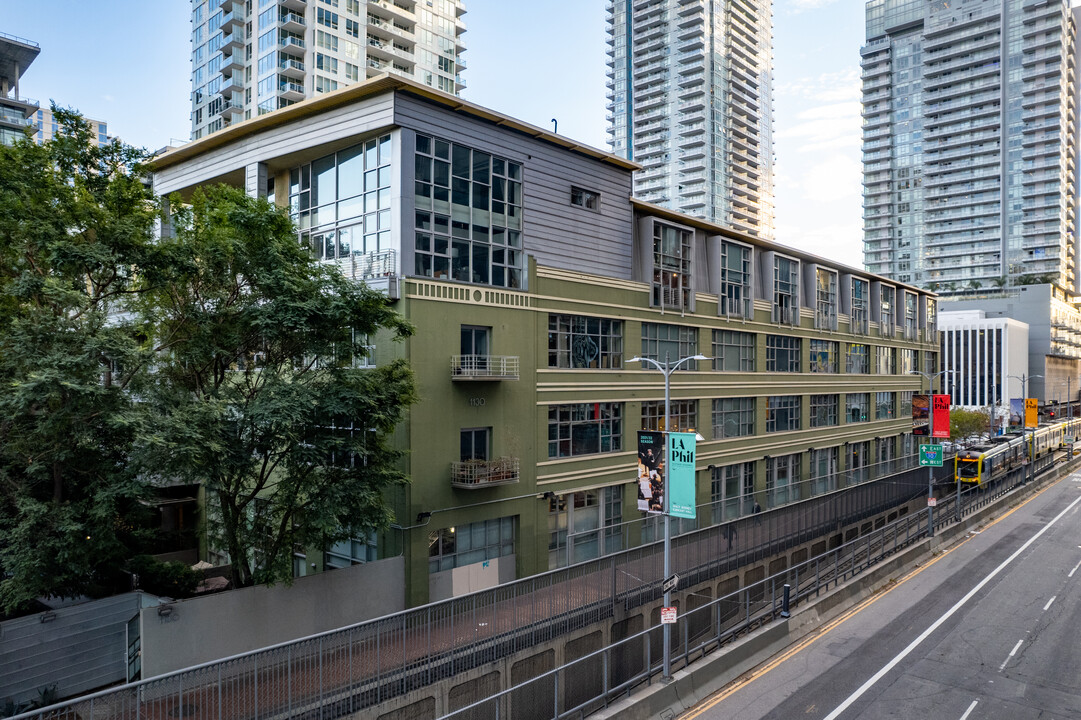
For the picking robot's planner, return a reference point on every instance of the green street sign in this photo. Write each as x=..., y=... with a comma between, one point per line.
x=931, y=455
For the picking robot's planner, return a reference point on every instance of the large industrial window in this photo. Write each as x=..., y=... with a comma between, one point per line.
x=577, y=341
x=468, y=215
x=584, y=429
x=733, y=417
x=733, y=351
x=782, y=413
x=783, y=354
x=671, y=343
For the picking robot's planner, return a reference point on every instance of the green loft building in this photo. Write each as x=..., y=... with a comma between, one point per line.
x=533, y=278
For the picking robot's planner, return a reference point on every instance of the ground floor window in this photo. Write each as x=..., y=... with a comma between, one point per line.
x=782, y=479
x=584, y=525
x=453, y=547
x=731, y=491
x=351, y=551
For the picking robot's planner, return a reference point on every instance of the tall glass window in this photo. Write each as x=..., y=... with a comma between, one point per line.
x=735, y=295
x=858, y=315
x=825, y=299
x=584, y=525
x=671, y=266
x=468, y=215
x=341, y=202
x=785, y=290
x=782, y=479
x=732, y=491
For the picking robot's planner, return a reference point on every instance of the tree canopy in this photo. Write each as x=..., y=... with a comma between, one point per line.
x=256, y=390
x=221, y=354
x=75, y=219
x=966, y=424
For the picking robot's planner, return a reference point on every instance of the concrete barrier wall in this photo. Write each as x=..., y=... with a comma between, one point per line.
x=198, y=630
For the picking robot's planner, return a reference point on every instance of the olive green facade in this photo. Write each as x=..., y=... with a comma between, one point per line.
x=546, y=283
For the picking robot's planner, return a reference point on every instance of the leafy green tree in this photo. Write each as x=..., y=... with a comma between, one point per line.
x=255, y=390
x=966, y=424
x=75, y=219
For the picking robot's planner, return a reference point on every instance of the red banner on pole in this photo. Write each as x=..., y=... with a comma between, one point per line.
x=940, y=406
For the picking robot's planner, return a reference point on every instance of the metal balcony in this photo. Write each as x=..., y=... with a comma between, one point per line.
x=475, y=474
x=484, y=367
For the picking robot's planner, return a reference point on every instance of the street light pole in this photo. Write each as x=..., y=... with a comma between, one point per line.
x=931, y=377
x=667, y=369
x=1032, y=438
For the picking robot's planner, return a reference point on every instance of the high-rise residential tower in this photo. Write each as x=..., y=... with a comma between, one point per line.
x=689, y=99
x=250, y=57
x=970, y=142
x=16, y=112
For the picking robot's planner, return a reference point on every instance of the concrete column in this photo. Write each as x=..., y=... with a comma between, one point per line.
x=255, y=177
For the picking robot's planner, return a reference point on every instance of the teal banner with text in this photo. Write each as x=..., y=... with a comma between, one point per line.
x=681, y=490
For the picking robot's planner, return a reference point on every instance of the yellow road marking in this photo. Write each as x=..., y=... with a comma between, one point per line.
x=813, y=637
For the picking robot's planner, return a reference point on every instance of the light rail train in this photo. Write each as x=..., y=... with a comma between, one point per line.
x=979, y=464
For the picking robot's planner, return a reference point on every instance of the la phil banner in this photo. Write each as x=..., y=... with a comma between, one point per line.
x=923, y=406
x=941, y=408
x=681, y=450
x=651, y=471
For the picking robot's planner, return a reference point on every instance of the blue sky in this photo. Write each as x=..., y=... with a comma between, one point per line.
x=127, y=62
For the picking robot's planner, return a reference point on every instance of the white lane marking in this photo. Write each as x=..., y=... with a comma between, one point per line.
x=1078, y=565
x=970, y=709
x=1012, y=653
x=946, y=616
x=1049, y=602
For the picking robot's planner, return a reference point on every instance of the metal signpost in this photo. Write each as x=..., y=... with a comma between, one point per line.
x=668, y=613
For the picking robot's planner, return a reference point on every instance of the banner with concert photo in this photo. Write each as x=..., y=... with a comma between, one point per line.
x=651, y=471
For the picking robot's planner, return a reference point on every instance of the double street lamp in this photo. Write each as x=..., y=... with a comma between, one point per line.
x=1024, y=399
x=667, y=368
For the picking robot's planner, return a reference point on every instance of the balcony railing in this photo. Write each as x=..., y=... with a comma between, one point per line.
x=484, y=367
x=473, y=474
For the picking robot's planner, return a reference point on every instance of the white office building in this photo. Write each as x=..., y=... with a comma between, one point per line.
x=988, y=356
x=250, y=58
x=689, y=99
x=970, y=143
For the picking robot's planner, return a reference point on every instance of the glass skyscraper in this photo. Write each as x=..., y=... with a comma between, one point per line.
x=970, y=143
x=251, y=57
x=689, y=99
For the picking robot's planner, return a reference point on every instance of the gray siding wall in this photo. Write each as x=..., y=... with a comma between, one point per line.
x=555, y=232
x=199, y=630
x=81, y=648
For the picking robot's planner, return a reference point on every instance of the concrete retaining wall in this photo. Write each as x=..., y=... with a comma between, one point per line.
x=198, y=630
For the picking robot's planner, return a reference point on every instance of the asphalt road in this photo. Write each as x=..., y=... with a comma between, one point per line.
x=988, y=629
